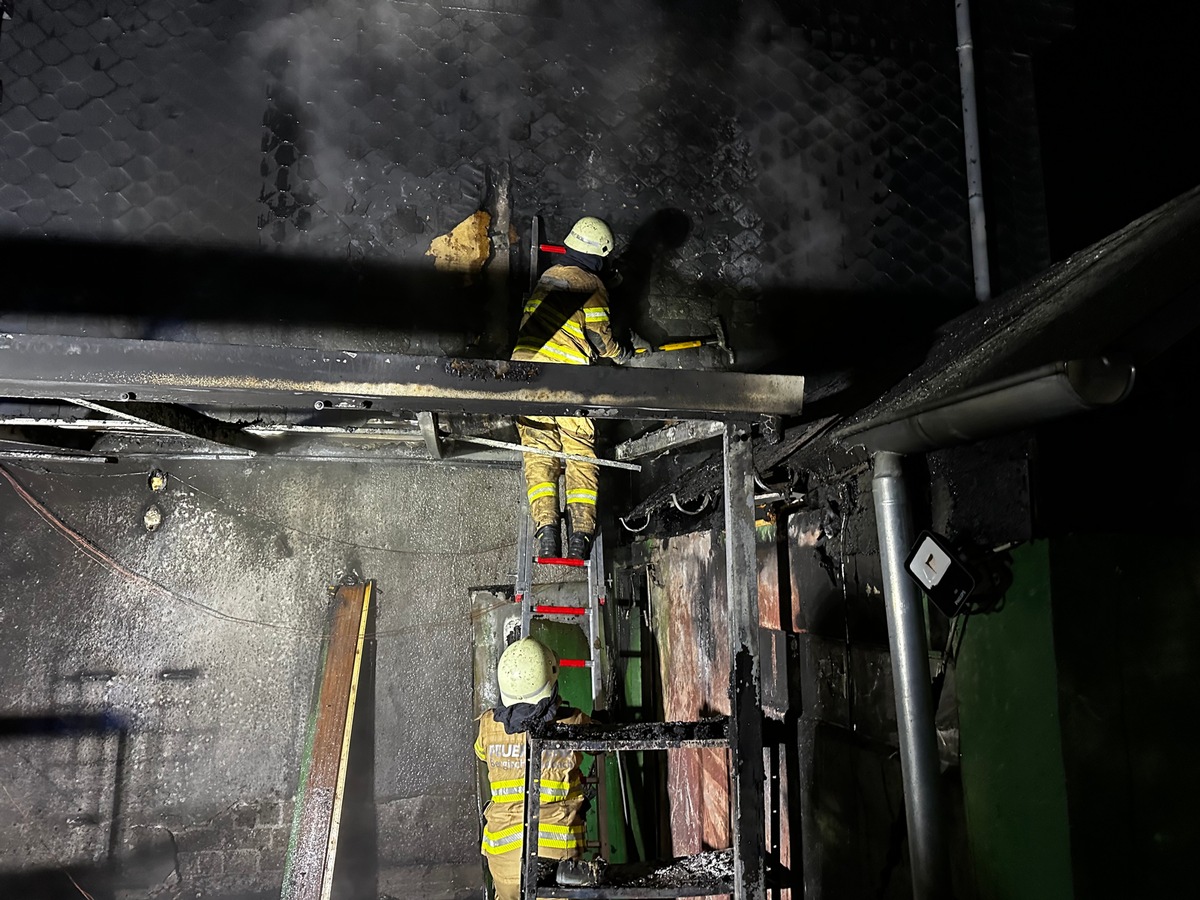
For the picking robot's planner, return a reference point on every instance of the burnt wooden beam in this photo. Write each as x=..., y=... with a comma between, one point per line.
x=312, y=849
x=745, y=697
x=178, y=419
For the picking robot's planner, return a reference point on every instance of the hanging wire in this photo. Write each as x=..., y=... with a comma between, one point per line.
x=97, y=555
x=705, y=499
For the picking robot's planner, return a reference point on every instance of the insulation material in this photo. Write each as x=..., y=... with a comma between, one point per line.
x=771, y=614
x=692, y=625
x=466, y=248
x=692, y=629
x=810, y=583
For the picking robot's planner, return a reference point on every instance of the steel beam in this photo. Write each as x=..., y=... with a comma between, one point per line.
x=48, y=456
x=537, y=451
x=603, y=738
x=746, y=739
x=662, y=440
x=315, y=448
x=108, y=369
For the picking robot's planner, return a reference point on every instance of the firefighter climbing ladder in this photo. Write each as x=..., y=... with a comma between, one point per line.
x=588, y=617
x=741, y=732
x=743, y=873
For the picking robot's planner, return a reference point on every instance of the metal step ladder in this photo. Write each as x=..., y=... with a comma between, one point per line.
x=588, y=616
x=741, y=870
x=706, y=874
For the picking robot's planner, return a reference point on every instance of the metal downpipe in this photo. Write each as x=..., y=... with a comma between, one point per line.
x=966, y=77
x=910, y=673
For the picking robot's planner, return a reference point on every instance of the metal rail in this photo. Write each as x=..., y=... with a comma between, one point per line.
x=537, y=451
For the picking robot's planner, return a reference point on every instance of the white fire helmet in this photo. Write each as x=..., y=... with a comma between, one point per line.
x=527, y=672
x=590, y=235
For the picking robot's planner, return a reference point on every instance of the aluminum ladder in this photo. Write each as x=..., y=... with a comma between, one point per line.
x=588, y=617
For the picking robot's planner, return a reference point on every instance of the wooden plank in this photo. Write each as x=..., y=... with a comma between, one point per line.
x=308, y=872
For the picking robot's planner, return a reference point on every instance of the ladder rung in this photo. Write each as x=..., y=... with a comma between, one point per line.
x=561, y=610
x=576, y=663
x=560, y=561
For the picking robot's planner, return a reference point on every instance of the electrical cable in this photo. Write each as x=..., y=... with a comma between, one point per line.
x=282, y=526
x=94, y=553
x=77, y=887
x=97, y=555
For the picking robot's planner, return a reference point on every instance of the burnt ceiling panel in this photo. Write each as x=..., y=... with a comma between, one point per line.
x=792, y=156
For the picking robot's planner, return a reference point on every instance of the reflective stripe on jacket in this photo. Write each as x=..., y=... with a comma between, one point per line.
x=560, y=825
x=566, y=320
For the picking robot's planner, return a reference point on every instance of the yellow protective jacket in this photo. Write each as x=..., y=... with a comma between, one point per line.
x=560, y=829
x=566, y=320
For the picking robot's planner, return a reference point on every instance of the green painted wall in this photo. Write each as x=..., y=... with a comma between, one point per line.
x=1012, y=761
x=1127, y=618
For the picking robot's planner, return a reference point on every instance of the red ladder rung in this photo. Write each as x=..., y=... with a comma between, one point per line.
x=575, y=663
x=561, y=610
x=560, y=561
x=552, y=248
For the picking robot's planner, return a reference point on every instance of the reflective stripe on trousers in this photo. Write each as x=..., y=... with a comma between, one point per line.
x=513, y=790
x=550, y=837
x=560, y=434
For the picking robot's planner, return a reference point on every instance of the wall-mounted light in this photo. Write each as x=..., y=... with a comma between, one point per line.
x=943, y=576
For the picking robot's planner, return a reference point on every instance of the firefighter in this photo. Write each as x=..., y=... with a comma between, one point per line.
x=566, y=320
x=527, y=675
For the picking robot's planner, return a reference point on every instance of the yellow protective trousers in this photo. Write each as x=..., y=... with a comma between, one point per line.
x=560, y=434
x=506, y=875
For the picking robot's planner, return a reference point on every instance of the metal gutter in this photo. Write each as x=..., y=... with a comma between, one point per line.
x=1038, y=395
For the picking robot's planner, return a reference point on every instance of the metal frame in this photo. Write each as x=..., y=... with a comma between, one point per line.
x=599, y=739
x=110, y=369
x=746, y=738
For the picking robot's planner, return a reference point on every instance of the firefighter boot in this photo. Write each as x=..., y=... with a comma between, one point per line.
x=579, y=546
x=548, y=544
x=580, y=872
